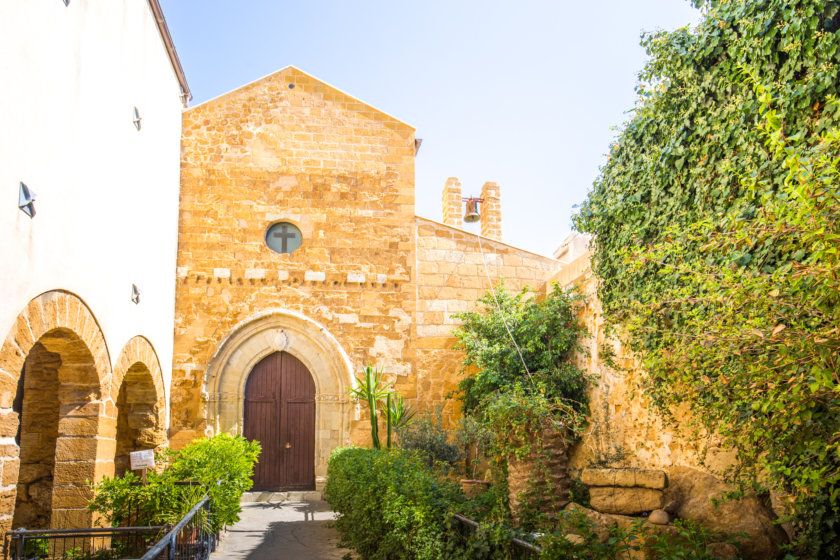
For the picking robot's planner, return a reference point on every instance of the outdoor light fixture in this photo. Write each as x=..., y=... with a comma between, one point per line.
x=135, y=294
x=136, y=119
x=26, y=200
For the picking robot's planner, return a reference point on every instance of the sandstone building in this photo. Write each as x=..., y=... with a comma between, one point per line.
x=102, y=262
x=369, y=283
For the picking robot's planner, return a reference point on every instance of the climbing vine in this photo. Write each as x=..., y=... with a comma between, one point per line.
x=716, y=241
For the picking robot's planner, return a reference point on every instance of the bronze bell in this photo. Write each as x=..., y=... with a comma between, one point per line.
x=471, y=215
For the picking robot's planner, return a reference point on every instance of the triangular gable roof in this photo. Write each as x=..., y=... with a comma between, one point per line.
x=311, y=84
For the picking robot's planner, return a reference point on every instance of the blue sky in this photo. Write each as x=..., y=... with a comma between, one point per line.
x=527, y=94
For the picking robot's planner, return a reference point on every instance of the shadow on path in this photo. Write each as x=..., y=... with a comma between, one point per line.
x=281, y=530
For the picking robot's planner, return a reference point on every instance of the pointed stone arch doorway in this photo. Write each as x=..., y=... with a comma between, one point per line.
x=280, y=414
x=311, y=343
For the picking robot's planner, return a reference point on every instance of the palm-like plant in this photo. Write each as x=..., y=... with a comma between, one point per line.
x=372, y=389
x=398, y=414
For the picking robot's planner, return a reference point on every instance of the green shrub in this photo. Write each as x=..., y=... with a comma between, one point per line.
x=223, y=459
x=391, y=505
x=690, y=541
x=225, y=465
x=428, y=436
x=547, y=332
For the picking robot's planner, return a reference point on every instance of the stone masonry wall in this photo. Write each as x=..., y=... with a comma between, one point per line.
x=450, y=278
x=291, y=148
x=623, y=432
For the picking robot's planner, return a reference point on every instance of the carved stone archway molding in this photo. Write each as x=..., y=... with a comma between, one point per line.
x=271, y=331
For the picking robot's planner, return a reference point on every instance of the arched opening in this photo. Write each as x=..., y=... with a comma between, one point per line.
x=54, y=374
x=249, y=342
x=137, y=416
x=57, y=431
x=37, y=406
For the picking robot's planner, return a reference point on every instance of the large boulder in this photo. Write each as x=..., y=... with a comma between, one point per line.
x=629, y=501
x=690, y=493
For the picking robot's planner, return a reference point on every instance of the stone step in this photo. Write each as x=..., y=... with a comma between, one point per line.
x=294, y=496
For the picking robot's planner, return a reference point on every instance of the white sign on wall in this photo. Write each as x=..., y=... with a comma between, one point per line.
x=142, y=459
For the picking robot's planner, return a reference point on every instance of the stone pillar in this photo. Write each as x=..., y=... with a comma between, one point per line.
x=452, y=204
x=491, y=211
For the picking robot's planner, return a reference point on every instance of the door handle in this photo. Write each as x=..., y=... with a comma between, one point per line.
x=288, y=445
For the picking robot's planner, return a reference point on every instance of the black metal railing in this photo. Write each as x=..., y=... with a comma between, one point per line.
x=190, y=539
x=523, y=548
x=80, y=544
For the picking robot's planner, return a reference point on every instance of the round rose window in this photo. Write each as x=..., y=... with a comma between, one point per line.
x=283, y=237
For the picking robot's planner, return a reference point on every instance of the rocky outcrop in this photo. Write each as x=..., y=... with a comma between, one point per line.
x=692, y=493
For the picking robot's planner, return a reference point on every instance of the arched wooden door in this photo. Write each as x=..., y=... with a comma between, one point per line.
x=280, y=414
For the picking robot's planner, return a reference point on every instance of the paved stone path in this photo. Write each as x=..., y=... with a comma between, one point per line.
x=280, y=531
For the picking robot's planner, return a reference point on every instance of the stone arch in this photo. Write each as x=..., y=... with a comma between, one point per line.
x=57, y=341
x=138, y=393
x=282, y=330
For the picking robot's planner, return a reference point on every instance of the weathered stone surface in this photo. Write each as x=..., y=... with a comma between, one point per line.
x=723, y=551
x=625, y=500
x=628, y=478
x=659, y=517
x=601, y=523
x=694, y=490
x=525, y=477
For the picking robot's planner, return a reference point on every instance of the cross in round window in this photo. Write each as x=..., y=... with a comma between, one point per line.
x=283, y=237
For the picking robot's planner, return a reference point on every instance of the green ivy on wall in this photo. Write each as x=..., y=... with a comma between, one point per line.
x=717, y=246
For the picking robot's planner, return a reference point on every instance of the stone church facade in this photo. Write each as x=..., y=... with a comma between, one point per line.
x=371, y=283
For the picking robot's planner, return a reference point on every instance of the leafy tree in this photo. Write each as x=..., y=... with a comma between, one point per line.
x=547, y=333
x=716, y=239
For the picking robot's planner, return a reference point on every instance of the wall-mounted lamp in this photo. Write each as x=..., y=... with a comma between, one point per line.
x=136, y=118
x=135, y=294
x=26, y=200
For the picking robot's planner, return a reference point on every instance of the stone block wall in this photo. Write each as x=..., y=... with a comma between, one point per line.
x=451, y=276
x=491, y=211
x=451, y=203
x=623, y=431
x=292, y=148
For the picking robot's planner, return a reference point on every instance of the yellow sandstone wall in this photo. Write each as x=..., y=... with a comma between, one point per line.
x=451, y=276
x=291, y=148
x=372, y=282
x=623, y=432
